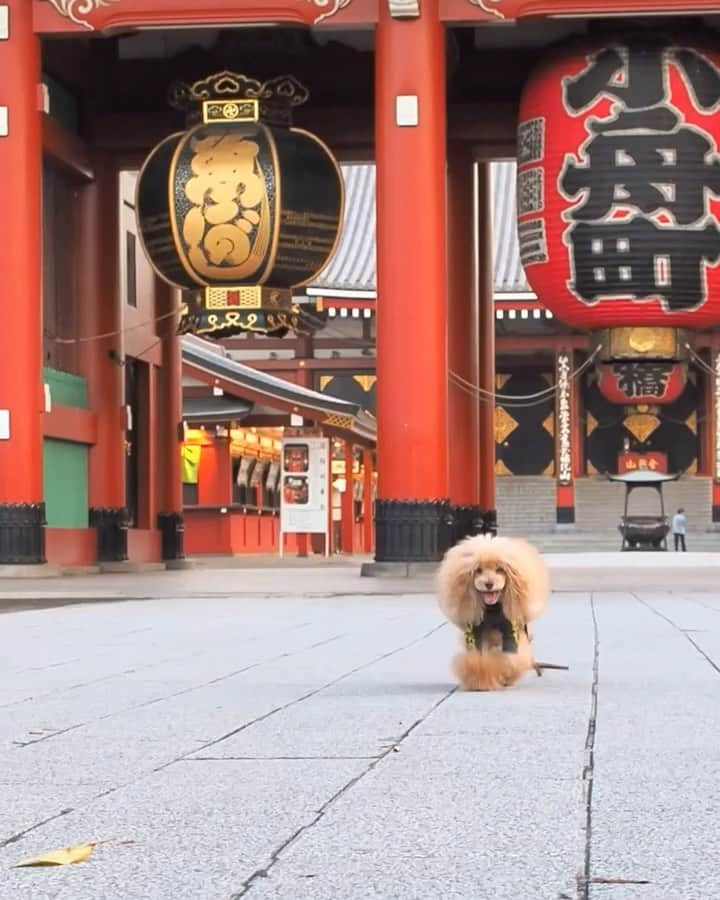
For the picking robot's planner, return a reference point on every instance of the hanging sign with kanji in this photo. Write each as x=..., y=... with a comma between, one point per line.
x=619, y=183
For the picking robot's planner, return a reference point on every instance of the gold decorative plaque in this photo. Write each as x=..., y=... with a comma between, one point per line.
x=330, y=7
x=490, y=6
x=78, y=11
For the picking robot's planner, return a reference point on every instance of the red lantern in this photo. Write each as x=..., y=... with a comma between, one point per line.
x=643, y=382
x=619, y=184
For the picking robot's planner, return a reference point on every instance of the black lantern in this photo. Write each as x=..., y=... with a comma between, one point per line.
x=241, y=208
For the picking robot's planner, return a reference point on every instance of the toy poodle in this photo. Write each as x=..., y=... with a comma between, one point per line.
x=491, y=588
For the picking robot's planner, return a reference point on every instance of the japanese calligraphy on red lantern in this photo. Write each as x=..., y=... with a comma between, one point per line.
x=618, y=185
x=641, y=227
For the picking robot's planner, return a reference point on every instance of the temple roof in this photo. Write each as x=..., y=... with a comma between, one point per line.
x=352, y=268
x=211, y=362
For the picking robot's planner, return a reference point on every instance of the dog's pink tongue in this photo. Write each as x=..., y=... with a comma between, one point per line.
x=490, y=597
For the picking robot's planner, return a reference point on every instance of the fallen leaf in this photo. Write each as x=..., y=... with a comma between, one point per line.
x=65, y=857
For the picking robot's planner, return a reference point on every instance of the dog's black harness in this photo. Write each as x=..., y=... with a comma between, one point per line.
x=494, y=619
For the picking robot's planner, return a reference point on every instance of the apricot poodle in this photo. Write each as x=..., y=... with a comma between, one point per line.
x=492, y=588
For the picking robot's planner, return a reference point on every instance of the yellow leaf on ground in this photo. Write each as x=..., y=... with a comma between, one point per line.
x=65, y=857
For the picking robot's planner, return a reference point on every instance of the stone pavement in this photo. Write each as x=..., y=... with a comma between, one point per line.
x=339, y=575
x=314, y=748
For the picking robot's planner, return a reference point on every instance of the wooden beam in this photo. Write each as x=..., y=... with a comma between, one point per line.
x=489, y=127
x=66, y=151
x=81, y=18
x=509, y=343
x=356, y=364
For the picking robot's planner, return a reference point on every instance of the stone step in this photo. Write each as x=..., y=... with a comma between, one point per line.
x=609, y=542
x=527, y=505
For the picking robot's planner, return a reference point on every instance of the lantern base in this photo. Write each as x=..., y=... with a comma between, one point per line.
x=639, y=342
x=226, y=311
x=249, y=298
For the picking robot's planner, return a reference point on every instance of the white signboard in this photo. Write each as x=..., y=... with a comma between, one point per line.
x=304, y=504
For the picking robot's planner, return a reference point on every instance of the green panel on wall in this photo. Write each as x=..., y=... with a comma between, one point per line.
x=65, y=389
x=66, y=484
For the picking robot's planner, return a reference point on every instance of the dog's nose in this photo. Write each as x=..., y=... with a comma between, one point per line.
x=490, y=585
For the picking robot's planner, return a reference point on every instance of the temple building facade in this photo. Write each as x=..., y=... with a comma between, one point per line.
x=607, y=438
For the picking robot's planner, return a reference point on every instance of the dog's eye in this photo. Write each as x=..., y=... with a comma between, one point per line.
x=499, y=570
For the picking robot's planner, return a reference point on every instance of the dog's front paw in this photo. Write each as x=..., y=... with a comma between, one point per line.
x=482, y=672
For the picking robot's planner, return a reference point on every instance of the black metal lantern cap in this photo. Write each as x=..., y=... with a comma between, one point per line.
x=233, y=97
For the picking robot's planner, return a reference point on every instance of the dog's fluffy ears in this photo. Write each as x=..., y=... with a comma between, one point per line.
x=528, y=583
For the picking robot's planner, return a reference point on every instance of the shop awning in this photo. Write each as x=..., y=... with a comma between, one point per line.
x=209, y=363
x=214, y=410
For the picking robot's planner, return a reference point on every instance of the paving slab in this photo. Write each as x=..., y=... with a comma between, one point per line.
x=657, y=753
x=313, y=746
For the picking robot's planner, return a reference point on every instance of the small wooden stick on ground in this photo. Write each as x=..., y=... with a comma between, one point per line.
x=538, y=666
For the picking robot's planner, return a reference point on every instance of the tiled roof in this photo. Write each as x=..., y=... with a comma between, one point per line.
x=352, y=268
x=509, y=273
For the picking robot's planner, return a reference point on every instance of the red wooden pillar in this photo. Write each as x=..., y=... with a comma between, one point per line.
x=169, y=421
x=215, y=473
x=564, y=439
x=486, y=378
x=22, y=511
x=714, y=424
x=99, y=313
x=463, y=437
x=705, y=463
x=410, y=119
x=367, y=501
x=348, y=506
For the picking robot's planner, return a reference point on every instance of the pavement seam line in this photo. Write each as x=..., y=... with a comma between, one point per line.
x=13, y=839
x=184, y=691
x=584, y=877
x=681, y=631
x=191, y=753
x=303, y=829
x=181, y=693
x=133, y=671
x=255, y=721
x=297, y=700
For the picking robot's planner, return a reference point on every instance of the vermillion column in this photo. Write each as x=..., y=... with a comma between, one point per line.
x=169, y=411
x=367, y=501
x=715, y=425
x=347, y=502
x=486, y=379
x=22, y=511
x=101, y=359
x=463, y=436
x=412, y=514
